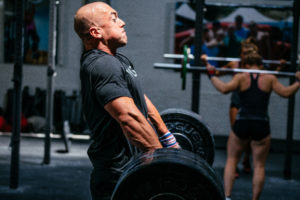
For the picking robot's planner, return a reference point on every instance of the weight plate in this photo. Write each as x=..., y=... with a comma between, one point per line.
x=191, y=132
x=169, y=174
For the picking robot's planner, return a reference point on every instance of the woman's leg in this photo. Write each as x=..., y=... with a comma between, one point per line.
x=260, y=151
x=233, y=111
x=235, y=147
x=246, y=159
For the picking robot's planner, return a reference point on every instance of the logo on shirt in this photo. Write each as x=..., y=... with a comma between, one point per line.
x=131, y=71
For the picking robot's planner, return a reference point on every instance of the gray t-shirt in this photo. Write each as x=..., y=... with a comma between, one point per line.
x=104, y=78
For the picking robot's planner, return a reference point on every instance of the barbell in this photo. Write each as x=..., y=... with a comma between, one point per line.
x=177, y=174
x=185, y=66
x=191, y=132
x=227, y=59
x=168, y=174
x=201, y=68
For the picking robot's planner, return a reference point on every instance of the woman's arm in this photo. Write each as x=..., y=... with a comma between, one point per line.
x=217, y=83
x=225, y=88
x=285, y=91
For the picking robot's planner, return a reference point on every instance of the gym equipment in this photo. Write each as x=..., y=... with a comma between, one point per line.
x=174, y=174
x=185, y=66
x=190, y=56
x=51, y=73
x=201, y=68
x=17, y=79
x=191, y=132
x=168, y=174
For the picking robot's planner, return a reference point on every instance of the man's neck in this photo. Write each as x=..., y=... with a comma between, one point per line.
x=102, y=47
x=107, y=49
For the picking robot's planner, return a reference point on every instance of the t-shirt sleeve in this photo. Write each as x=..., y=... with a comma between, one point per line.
x=108, y=80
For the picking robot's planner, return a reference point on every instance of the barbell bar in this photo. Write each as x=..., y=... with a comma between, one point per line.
x=185, y=66
x=202, y=68
x=191, y=56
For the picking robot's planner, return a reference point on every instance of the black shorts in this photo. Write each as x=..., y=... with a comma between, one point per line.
x=107, y=170
x=102, y=183
x=251, y=129
x=104, y=179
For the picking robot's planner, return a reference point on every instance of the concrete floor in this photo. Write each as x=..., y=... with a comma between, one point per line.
x=67, y=176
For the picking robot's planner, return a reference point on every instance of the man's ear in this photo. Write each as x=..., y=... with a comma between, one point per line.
x=96, y=32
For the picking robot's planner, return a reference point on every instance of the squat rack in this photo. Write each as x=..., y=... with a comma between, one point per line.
x=295, y=6
x=17, y=79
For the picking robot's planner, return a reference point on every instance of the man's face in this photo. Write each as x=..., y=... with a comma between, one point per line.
x=113, y=31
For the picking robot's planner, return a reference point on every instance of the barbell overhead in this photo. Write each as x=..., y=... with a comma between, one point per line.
x=202, y=68
x=190, y=56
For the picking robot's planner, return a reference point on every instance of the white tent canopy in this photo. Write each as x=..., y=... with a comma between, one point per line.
x=248, y=14
x=186, y=11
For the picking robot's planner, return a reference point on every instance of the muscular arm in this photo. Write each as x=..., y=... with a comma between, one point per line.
x=133, y=123
x=155, y=118
x=226, y=87
x=285, y=91
x=230, y=65
x=220, y=85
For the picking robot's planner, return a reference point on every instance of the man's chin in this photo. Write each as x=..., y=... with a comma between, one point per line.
x=123, y=43
x=125, y=39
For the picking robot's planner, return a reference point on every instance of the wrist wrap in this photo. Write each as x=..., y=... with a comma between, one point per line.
x=211, y=73
x=168, y=140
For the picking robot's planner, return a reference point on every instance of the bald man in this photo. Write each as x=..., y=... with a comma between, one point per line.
x=122, y=119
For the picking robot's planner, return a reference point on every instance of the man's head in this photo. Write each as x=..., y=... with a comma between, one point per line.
x=216, y=25
x=99, y=26
x=238, y=21
x=206, y=36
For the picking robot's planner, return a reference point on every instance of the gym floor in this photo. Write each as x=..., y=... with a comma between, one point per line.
x=67, y=176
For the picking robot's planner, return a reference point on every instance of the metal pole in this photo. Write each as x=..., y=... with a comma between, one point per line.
x=198, y=43
x=50, y=81
x=291, y=102
x=17, y=79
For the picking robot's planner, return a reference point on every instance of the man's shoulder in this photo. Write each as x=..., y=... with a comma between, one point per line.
x=123, y=59
x=97, y=59
x=89, y=57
